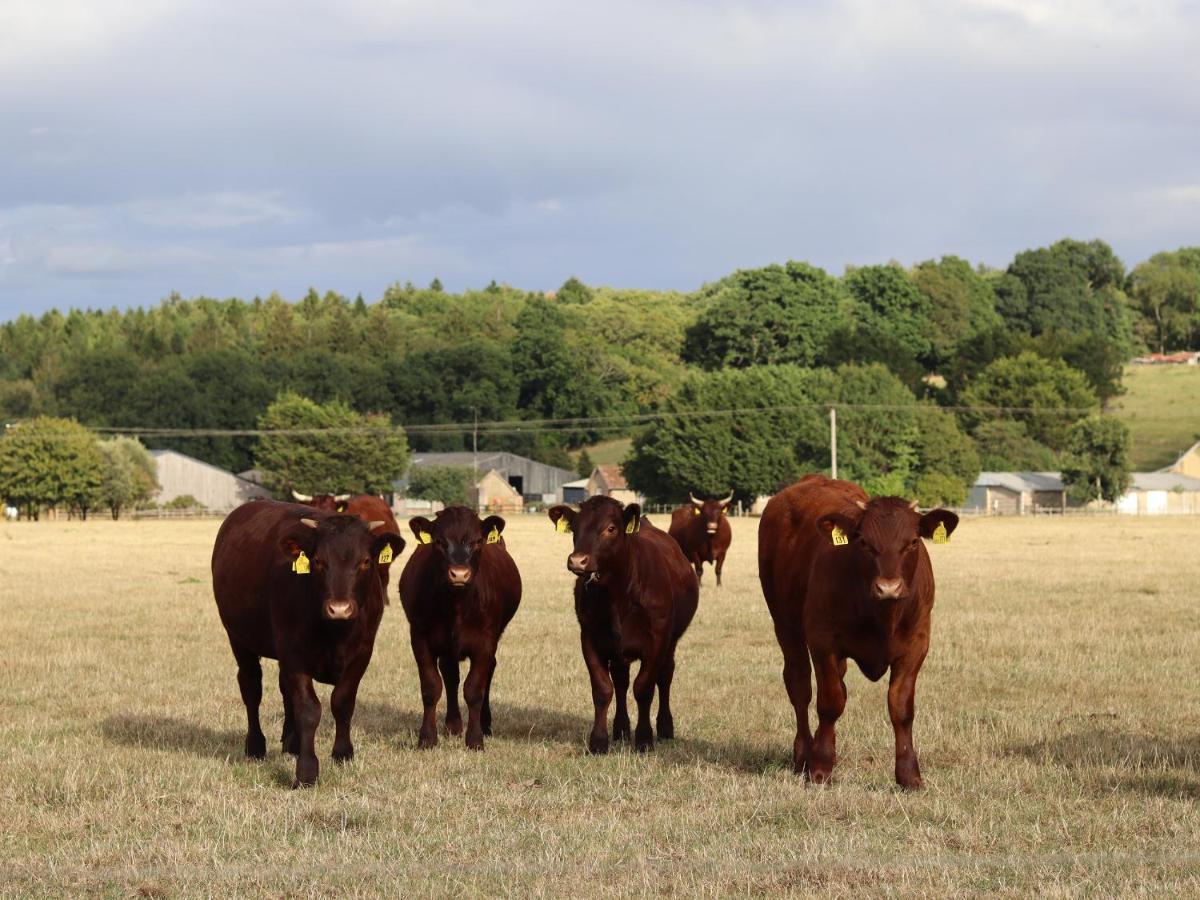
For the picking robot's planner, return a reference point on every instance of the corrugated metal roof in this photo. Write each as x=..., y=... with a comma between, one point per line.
x=1164, y=481
x=1021, y=481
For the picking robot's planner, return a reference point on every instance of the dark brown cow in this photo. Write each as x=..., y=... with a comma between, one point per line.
x=847, y=577
x=301, y=586
x=460, y=588
x=703, y=533
x=635, y=595
x=367, y=507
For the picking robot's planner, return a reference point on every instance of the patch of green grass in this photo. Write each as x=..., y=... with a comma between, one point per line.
x=609, y=452
x=1161, y=406
x=1055, y=721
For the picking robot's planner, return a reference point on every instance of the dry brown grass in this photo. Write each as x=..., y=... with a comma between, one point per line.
x=1058, y=723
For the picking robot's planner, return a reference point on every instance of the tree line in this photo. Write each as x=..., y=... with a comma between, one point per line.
x=999, y=365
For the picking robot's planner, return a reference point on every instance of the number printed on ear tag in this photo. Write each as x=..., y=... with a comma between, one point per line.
x=385, y=555
x=426, y=537
x=939, y=534
x=563, y=526
x=301, y=565
x=838, y=537
x=494, y=536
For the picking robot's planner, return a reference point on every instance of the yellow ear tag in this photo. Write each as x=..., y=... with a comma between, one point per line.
x=838, y=537
x=426, y=537
x=634, y=524
x=341, y=507
x=385, y=555
x=301, y=565
x=939, y=534
x=563, y=526
x=695, y=512
x=494, y=536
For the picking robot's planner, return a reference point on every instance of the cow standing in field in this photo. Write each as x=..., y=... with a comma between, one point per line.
x=703, y=533
x=459, y=589
x=848, y=577
x=301, y=586
x=635, y=595
x=367, y=507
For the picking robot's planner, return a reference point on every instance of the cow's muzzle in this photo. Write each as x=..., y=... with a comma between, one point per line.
x=888, y=588
x=712, y=527
x=459, y=576
x=340, y=610
x=579, y=563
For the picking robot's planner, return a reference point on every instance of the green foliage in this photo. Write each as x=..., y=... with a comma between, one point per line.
x=1096, y=462
x=1166, y=290
x=183, y=501
x=962, y=304
x=584, y=465
x=366, y=455
x=50, y=462
x=947, y=461
x=449, y=485
x=776, y=314
x=1047, y=395
x=886, y=302
x=1004, y=445
x=574, y=291
x=130, y=475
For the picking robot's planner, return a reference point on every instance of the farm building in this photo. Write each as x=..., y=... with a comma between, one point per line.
x=1017, y=493
x=575, y=491
x=220, y=491
x=1188, y=463
x=1161, y=493
x=609, y=481
x=494, y=494
x=533, y=480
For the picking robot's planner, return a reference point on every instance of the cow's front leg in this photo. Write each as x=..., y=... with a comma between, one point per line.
x=474, y=691
x=831, y=702
x=902, y=691
x=307, y=711
x=619, y=668
x=602, y=694
x=342, y=701
x=431, y=693
x=448, y=666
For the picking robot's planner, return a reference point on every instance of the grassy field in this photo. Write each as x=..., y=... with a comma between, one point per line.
x=1057, y=720
x=1161, y=406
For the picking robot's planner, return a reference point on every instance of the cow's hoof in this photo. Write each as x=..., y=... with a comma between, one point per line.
x=818, y=774
x=643, y=742
x=306, y=774
x=290, y=743
x=666, y=730
x=475, y=743
x=426, y=741
x=598, y=744
x=256, y=746
x=909, y=781
x=621, y=730
x=343, y=756
x=454, y=726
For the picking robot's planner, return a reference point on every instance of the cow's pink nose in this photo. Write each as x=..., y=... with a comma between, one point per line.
x=460, y=575
x=339, y=609
x=578, y=562
x=888, y=588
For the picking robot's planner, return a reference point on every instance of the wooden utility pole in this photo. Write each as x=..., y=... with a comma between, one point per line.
x=833, y=441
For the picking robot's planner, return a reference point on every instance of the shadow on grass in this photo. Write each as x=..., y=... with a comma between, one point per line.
x=168, y=733
x=1148, y=763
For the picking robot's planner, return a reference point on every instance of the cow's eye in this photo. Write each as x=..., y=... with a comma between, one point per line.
x=611, y=529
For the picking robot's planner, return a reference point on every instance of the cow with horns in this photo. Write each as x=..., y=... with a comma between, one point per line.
x=703, y=533
x=367, y=507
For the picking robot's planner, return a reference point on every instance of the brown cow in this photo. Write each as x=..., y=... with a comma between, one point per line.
x=635, y=595
x=703, y=533
x=847, y=577
x=301, y=586
x=460, y=588
x=367, y=507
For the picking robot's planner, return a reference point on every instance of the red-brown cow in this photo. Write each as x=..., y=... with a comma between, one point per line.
x=847, y=577
x=703, y=533
x=367, y=507
x=301, y=586
x=460, y=588
x=635, y=595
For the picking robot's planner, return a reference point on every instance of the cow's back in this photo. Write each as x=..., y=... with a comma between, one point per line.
x=666, y=571
x=681, y=519
x=788, y=538
x=370, y=508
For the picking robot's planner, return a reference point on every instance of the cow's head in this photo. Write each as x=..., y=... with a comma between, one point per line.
x=457, y=536
x=602, y=529
x=710, y=511
x=342, y=557
x=326, y=502
x=883, y=540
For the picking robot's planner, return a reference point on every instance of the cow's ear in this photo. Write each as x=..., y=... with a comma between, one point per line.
x=422, y=528
x=563, y=518
x=938, y=525
x=492, y=527
x=386, y=547
x=632, y=514
x=292, y=549
x=837, y=527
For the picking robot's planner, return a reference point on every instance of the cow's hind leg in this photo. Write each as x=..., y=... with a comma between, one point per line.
x=486, y=715
x=249, y=677
x=664, y=723
x=289, y=740
x=448, y=665
x=720, y=564
x=699, y=565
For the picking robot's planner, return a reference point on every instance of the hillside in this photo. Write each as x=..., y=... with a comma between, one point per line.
x=1161, y=406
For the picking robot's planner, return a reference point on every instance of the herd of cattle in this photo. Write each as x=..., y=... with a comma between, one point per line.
x=845, y=577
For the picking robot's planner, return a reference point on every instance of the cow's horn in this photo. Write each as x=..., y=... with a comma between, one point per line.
x=728, y=499
x=861, y=505
x=694, y=500
x=374, y=523
x=341, y=498
x=913, y=505
x=311, y=523
x=302, y=498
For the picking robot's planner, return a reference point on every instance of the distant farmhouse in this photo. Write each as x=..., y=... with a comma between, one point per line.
x=609, y=481
x=529, y=481
x=217, y=490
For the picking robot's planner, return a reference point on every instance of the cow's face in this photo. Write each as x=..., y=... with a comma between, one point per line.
x=602, y=529
x=342, y=557
x=884, y=539
x=326, y=502
x=458, y=537
x=709, y=512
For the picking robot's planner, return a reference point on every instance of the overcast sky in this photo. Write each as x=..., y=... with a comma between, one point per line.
x=232, y=149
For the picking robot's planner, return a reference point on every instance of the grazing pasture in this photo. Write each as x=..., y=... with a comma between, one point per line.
x=1058, y=722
